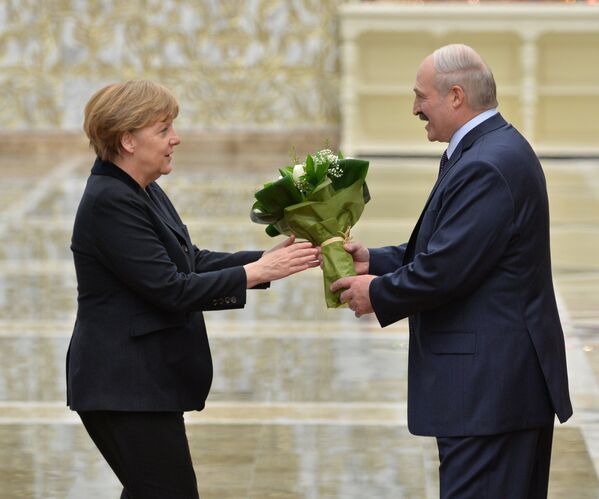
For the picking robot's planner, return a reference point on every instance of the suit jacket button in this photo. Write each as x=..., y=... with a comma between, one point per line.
x=214, y=302
x=227, y=300
x=233, y=299
x=185, y=248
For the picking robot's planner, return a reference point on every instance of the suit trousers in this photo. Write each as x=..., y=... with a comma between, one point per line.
x=511, y=465
x=148, y=452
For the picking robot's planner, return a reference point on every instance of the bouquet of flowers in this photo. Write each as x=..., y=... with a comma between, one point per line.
x=319, y=200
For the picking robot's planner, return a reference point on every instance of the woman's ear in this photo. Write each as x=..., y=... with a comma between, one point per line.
x=128, y=142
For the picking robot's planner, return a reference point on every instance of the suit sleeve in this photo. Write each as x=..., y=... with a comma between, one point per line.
x=126, y=242
x=386, y=259
x=207, y=261
x=469, y=235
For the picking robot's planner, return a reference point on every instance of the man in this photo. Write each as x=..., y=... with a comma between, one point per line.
x=487, y=367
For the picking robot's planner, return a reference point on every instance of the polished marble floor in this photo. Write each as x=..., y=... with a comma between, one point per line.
x=306, y=402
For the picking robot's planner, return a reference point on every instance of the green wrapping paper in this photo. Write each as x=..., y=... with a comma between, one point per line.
x=323, y=214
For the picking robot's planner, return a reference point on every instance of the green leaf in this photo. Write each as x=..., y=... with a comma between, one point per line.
x=353, y=170
x=286, y=172
x=310, y=173
x=281, y=193
x=271, y=231
x=321, y=172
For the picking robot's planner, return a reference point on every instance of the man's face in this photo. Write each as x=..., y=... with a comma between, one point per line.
x=432, y=107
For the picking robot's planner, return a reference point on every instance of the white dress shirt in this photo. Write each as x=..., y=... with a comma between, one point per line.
x=474, y=122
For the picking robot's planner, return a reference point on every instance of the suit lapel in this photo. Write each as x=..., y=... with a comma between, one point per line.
x=493, y=123
x=153, y=201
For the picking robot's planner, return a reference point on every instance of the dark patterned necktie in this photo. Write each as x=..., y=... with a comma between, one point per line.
x=443, y=162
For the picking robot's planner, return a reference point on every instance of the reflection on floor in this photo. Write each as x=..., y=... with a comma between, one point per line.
x=306, y=402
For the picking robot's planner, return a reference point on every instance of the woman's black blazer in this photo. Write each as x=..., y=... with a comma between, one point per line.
x=139, y=341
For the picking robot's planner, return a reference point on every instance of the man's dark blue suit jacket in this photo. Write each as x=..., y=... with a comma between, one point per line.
x=139, y=342
x=486, y=349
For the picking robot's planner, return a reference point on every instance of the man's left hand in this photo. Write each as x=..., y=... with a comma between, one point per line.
x=356, y=293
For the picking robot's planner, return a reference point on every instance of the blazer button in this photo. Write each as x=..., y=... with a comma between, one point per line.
x=227, y=300
x=185, y=248
x=233, y=299
x=215, y=302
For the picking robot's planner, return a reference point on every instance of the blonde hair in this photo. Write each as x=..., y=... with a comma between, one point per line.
x=461, y=65
x=125, y=107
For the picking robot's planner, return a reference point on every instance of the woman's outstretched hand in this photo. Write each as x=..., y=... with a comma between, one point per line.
x=284, y=259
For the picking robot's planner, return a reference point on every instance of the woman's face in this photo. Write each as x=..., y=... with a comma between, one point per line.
x=153, y=149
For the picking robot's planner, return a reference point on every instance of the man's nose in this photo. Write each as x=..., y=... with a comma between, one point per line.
x=415, y=109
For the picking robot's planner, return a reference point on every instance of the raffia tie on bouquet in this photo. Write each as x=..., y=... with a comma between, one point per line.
x=345, y=237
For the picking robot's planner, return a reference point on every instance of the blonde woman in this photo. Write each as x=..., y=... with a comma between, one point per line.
x=139, y=355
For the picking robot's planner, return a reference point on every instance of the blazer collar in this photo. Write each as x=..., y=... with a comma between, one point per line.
x=493, y=123
x=109, y=169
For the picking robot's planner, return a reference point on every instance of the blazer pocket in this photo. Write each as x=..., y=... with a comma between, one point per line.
x=452, y=343
x=149, y=322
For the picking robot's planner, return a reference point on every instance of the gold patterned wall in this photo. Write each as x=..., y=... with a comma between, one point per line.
x=266, y=64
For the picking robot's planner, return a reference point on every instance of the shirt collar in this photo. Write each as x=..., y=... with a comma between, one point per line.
x=474, y=122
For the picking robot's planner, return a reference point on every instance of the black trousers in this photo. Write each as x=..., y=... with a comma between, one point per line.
x=148, y=452
x=511, y=465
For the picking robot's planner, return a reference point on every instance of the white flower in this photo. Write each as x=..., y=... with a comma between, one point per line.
x=325, y=156
x=298, y=172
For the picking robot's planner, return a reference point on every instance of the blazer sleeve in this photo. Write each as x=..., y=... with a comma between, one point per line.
x=469, y=235
x=207, y=261
x=126, y=242
x=386, y=259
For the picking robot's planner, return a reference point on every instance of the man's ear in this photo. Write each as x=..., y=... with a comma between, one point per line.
x=128, y=142
x=458, y=98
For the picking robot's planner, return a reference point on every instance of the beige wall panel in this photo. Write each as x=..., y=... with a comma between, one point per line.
x=571, y=120
x=391, y=58
x=511, y=109
x=569, y=59
x=389, y=120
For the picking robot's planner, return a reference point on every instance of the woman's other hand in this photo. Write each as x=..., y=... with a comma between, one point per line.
x=282, y=260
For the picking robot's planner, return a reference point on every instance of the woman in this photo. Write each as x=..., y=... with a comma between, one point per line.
x=139, y=354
